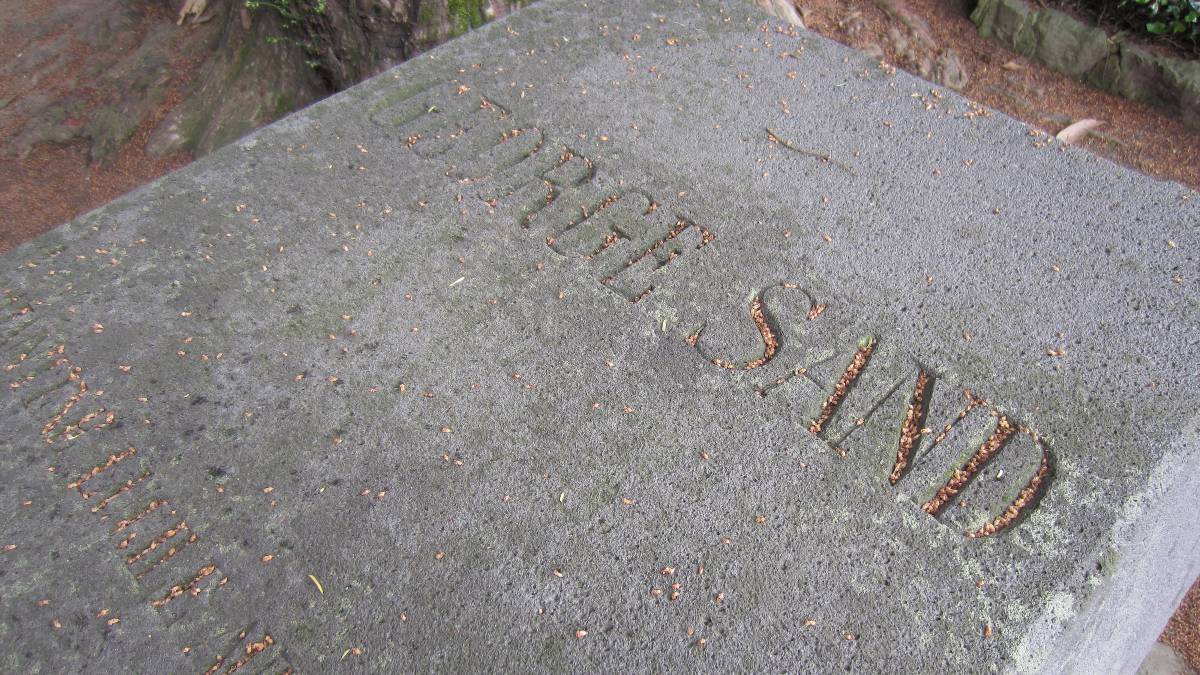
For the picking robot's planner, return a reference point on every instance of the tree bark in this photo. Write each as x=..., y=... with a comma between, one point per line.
x=258, y=72
x=250, y=77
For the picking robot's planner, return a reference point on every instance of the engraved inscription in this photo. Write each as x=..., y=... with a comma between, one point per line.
x=544, y=186
x=857, y=409
x=766, y=331
x=155, y=541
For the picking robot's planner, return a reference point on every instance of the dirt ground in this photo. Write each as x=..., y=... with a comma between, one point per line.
x=56, y=182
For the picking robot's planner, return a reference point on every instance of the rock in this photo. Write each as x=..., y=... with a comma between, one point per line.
x=103, y=98
x=108, y=128
x=110, y=24
x=913, y=54
x=1064, y=44
x=142, y=76
x=37, y=56
x=1001, y=19
x=916, y=25
x=54, y=121
x=950, y=71
x=1086, y=52
x=167, y=138
x=1141, y=78
x=1051, y=37
x=1186, y=77
x=912, y=40
x=852, y=25
x=1171, y=84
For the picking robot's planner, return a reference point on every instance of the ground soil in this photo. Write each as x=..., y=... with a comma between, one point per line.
x=55, y=183
x=1183, y=630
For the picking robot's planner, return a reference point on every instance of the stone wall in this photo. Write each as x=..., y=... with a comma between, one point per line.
x=1090, y=54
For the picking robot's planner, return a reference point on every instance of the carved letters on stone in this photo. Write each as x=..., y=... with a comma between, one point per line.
x=545, y=186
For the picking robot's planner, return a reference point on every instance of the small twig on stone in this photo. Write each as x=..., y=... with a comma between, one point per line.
x=823, y=156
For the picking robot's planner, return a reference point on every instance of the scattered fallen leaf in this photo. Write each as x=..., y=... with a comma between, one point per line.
x=317, y=583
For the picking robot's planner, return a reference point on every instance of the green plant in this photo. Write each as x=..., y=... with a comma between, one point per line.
x=466, y=14
x=293, y=12
x=1179, y=18
x=298, y=16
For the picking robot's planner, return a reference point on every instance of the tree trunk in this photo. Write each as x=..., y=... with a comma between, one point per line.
x=267, y=61
x=253, y=74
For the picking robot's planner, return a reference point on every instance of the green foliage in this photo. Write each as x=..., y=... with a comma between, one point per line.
x=1177, y=17
x=297, y=16
x=293, y=12
x=466, y=14
x=1177, y=20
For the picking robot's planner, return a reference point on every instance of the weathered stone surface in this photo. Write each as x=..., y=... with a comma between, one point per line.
x=1001, y=19
x=950, y=71
x=1186, y=76
x=608, y=337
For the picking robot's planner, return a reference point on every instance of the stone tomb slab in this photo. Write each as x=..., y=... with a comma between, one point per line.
x=617, y=335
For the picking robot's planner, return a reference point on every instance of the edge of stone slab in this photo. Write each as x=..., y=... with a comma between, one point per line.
x=1154, y=565
x=1083, y=51
x=1164, y=660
